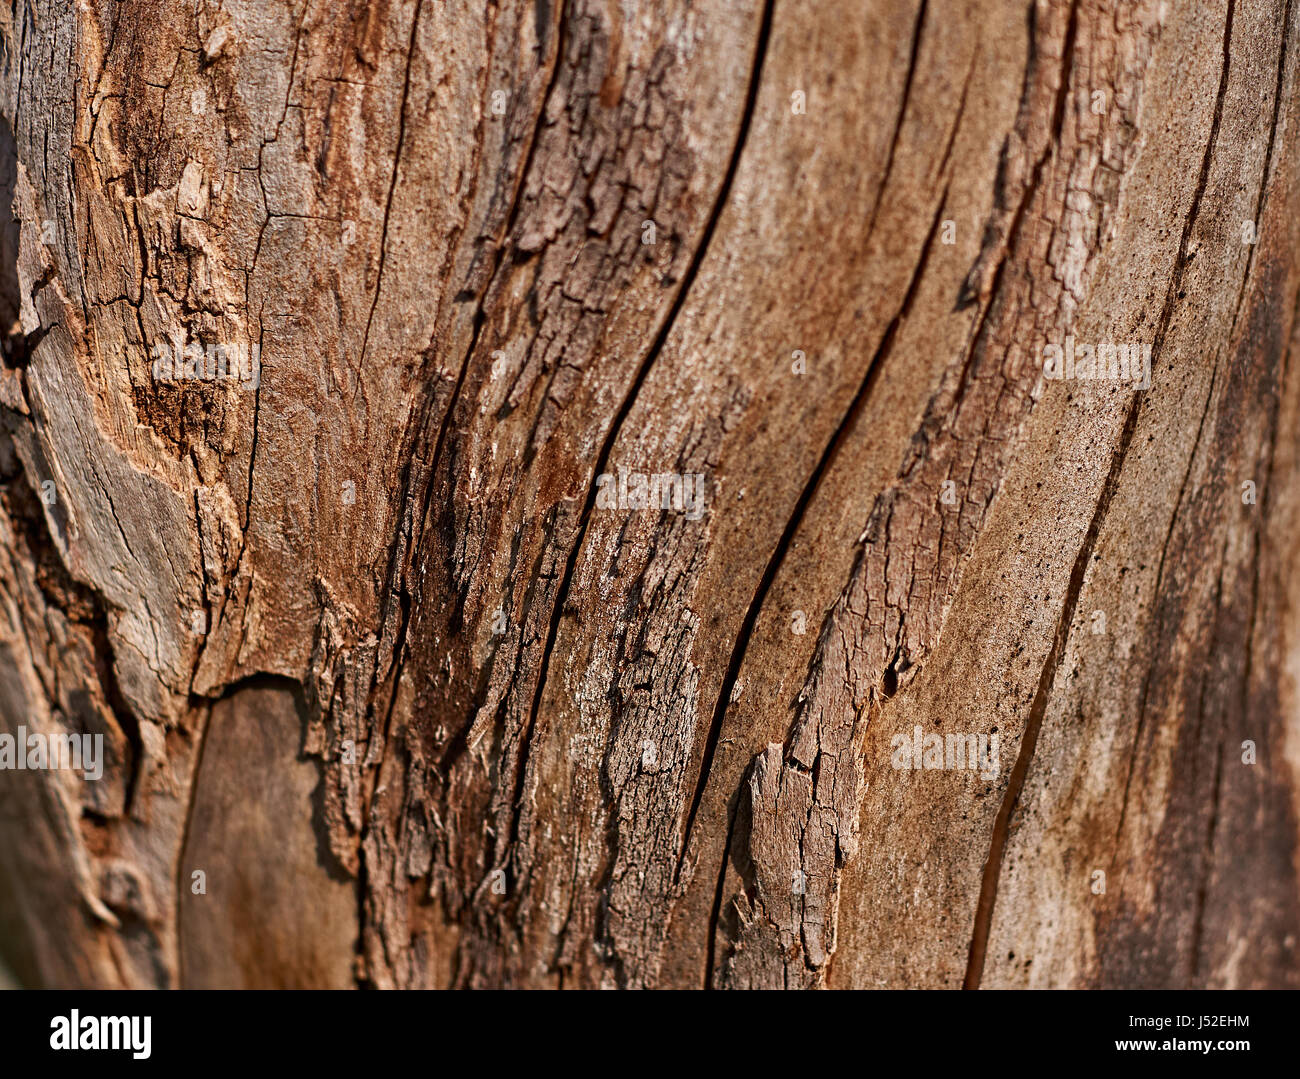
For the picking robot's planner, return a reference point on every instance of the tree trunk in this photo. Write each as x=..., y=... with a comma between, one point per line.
x=578, y=493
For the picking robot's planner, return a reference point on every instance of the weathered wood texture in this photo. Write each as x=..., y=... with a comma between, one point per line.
x=374, y=659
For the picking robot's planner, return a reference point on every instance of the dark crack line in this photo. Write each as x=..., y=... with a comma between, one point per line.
x=1262, y=198
x=1203, y=888
x=902, y=115
x=1155, y=594
x=414, y=528
x=688, y=280
x=993, y=866
x=777, y=559
x=1161, y=331
x=411, y=528
x=715, y=913
x=1038, y=709
x=479, y=322
x=397, y=165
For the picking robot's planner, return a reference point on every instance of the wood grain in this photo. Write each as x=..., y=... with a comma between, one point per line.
x=367, y=645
